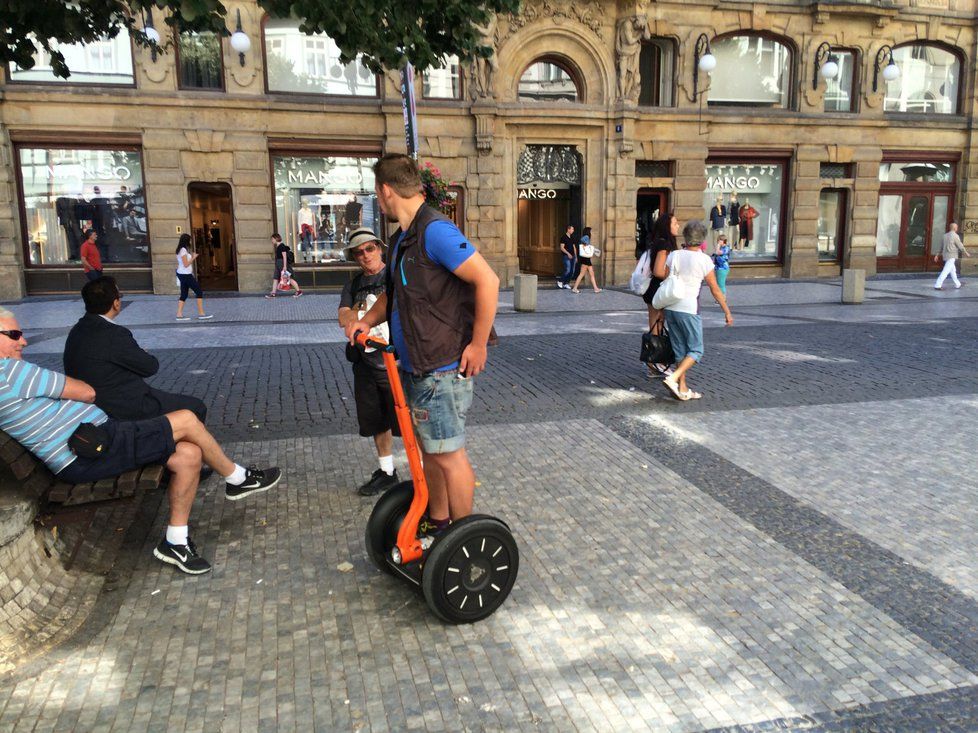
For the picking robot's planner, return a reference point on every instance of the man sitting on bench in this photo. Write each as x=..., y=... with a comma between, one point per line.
x=41, y=409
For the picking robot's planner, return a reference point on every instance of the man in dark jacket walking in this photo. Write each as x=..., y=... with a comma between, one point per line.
x=440, y=302
x=106, y=356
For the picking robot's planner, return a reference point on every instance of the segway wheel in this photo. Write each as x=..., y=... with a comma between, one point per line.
x=470, y=570
x=384, y=523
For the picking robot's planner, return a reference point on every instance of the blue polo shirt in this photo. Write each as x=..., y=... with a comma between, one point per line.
x=447, y=246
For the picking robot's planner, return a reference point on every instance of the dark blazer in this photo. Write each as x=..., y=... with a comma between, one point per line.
x=106, y=356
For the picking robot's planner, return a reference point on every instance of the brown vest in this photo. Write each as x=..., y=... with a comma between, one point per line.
x=437, y=309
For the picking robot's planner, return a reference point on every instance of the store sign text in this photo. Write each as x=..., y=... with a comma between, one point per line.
x=538, y=193
x=737, y=183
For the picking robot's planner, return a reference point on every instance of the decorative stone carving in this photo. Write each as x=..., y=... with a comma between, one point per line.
x=205, y=141
x=485, y=127
x=549, y=163
x=482, y=70
x=628, y=45
x=587, y=13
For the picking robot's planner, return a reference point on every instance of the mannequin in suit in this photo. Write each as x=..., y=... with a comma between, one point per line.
x=106, y=356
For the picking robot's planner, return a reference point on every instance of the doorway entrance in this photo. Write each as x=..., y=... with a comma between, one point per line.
x=549, y=198
x=212, y=232
x=650, y=203
x=910, y=228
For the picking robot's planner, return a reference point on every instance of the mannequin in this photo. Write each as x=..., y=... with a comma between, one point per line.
x=734, y=220
x=747, y=215
x=718, y=220
x=307, y=227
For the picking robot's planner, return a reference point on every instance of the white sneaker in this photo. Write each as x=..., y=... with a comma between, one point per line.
x=957, y=285
x=183, y=318
x=560, y=285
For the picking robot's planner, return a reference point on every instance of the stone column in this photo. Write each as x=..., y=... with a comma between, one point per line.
x=861, y=253
x=801, y=218
x=11, y=238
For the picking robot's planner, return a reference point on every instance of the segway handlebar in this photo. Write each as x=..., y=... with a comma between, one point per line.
x=365, y=340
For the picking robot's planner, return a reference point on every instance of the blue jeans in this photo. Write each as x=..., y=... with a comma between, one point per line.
x=685, y=335
x=438, y=402
x=568, y=270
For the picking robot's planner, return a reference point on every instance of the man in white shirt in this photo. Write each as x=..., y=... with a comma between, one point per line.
x=951, y=249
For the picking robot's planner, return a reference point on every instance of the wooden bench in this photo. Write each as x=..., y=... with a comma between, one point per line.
x=63, y=503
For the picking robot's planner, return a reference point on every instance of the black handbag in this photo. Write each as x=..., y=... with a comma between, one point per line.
x=656, y=348
x=89, y=440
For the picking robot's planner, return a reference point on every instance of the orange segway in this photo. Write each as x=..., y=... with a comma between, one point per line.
x=469, y=569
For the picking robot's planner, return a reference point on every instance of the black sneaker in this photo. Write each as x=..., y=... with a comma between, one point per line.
x=256, y=480
x=380, y=481
x=184, y=557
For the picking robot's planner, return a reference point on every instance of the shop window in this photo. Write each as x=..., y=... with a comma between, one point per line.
x=839, y=92
x=67, y=191
x=743, y=201
x=310, y=64
x=547, y=81
x=928, y=82
x=656, y=64
x=456, y=207
x=319, y=200
x=200, y=61
x=107, y=61
x=751, y=71
x=831, y=222
x=916, y=172
x=444, y=82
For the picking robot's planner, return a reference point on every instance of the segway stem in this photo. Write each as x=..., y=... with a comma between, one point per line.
x=408, y=545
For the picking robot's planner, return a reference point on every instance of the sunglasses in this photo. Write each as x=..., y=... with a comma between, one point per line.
x=365, y=250
x=13, y=334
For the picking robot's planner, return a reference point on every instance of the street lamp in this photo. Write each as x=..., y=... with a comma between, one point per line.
x=240, y=41
x=152, y=35
x=703, y=60
x=826, y=64
x=890, y=72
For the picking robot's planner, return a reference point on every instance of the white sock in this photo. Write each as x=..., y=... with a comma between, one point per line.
x=238, y=475
x=387, y=465
x=176, y=535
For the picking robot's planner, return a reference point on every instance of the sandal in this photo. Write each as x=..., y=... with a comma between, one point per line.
x=269, y=297
x=297, y=294
x=576, y=292
x=673, y=387
x=691, y=395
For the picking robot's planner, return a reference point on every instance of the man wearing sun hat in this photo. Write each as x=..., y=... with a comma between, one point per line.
x=371, y=388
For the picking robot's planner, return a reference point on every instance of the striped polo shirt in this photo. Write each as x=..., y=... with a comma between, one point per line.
x=33, y=413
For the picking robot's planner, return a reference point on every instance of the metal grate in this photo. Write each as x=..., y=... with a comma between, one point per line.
x=653, y=168
x=835, y=170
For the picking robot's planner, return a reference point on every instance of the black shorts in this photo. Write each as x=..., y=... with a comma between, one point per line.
x=374, y=400
x=581, y=261
x=132, y=443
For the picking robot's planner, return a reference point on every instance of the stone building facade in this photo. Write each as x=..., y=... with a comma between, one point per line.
x=593, y=113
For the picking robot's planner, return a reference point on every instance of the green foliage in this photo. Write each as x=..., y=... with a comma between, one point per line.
x=386, y=32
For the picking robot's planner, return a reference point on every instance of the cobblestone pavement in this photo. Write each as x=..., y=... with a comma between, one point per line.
x=795, y=551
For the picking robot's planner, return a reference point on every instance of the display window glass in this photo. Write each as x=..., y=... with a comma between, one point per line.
x=928, y=81
x=310, y=64
x=319, y=200
x=744, y=202
x=444, y=82
x=66, y=191
x=912, y=171
x=107, y=61
x=751, y=71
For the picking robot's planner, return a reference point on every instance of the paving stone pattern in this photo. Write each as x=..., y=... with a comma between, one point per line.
x=795, y=551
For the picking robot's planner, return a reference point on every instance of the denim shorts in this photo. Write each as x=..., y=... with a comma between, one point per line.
x=685, y=334
x=438, y=402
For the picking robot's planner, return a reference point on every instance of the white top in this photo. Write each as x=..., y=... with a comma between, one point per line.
x=181, y=268
x=307, y=217
x=691, y=265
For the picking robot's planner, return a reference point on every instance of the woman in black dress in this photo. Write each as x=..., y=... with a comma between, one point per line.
x=661, y=242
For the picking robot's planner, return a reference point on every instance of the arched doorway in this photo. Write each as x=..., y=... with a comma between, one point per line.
x=549, y=197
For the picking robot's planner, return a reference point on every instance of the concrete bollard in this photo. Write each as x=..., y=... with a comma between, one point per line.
x=853, y=286
x=525, y=292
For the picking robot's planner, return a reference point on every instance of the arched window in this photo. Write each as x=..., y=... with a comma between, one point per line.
x=547, y=80
x=929, y=80
x=310, y=64
x=751, y=71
